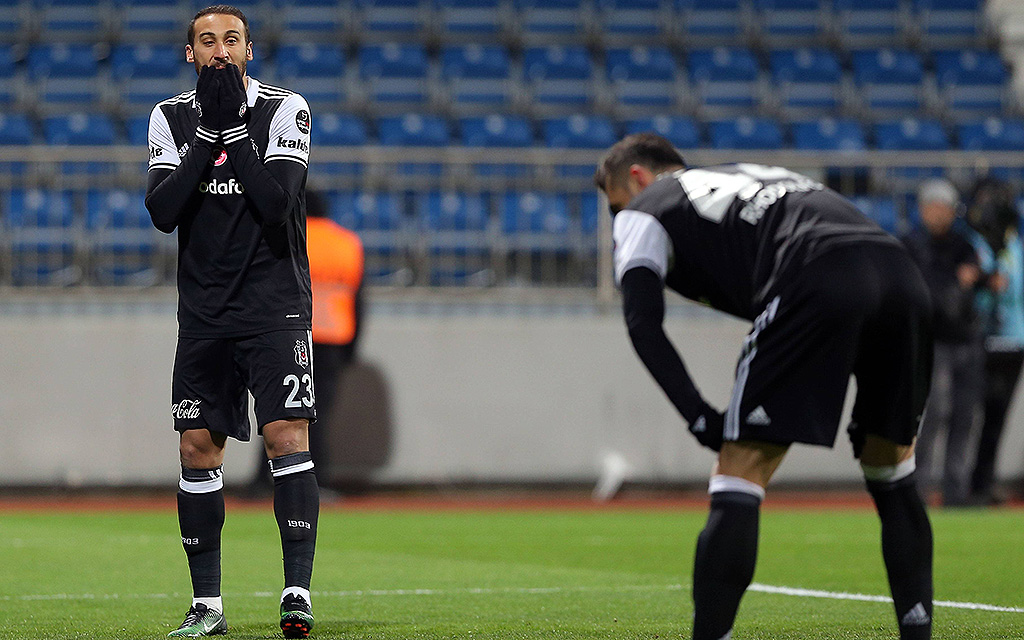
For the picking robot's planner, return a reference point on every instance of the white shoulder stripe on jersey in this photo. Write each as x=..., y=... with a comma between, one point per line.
x=292, y=158
x=271, y=87
x=181, y=97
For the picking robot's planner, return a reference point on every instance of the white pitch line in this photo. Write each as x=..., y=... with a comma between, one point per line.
x=863, y=597
x=358, y=593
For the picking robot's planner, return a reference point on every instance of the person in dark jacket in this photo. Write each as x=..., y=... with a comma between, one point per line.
x=950, y=267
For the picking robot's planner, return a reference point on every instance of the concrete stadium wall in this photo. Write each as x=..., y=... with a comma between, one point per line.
x=84, y=400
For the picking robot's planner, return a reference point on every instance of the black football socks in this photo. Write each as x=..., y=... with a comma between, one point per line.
x=201, y=518
x=906, y=546
x=296, y=505
x=726, y=555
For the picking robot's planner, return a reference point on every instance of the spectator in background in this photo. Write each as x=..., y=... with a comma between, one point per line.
x=994, y=220
x=336, y=271
x=950, y=267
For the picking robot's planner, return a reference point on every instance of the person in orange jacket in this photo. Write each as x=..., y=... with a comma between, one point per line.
x=336, y=264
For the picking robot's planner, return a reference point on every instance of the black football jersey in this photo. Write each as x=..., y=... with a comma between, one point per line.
x=725, y=235
x=237, y=277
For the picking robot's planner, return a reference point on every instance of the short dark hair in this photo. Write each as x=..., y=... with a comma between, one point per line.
x=219, y=9
x=646, y=149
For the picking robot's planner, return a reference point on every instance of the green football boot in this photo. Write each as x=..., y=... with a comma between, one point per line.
x=296, y=617
x=201, y=621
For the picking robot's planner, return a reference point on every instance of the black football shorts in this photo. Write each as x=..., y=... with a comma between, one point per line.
x=211, y=377
x=861, y=309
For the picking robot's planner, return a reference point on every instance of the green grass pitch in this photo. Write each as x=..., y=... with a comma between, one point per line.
x=483, y=574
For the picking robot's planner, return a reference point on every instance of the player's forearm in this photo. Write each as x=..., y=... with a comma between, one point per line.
x=644, y=310
x=273, y=188
x=168, y=192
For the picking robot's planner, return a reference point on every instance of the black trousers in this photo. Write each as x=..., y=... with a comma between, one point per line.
x=1002, y=370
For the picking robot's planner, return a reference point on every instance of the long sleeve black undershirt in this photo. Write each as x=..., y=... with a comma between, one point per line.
x=273, y=188
x=168, y=192
x=643, y=305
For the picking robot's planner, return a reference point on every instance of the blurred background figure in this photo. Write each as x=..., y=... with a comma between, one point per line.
x=336, y=265
x=951, y=268
x=994, y=220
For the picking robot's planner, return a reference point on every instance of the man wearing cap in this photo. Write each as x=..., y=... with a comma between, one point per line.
x=950, y=267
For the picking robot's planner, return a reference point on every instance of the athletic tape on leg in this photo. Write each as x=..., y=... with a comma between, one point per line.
x=201, y=480
x=721, y=483
x=291, y=463
x=891, y=473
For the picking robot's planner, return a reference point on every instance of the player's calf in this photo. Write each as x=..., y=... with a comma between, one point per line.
x=726, y=555
x=906, y=544
x=296, y=506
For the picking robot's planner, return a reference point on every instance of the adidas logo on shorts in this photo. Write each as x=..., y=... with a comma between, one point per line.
x=759, y=417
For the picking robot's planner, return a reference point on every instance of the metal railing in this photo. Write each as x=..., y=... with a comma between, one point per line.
x=488, y=223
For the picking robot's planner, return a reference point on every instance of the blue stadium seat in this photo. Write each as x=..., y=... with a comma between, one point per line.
x=311, y=20
x=79, y=129
x=579, y=132
x=65, y=74
x=378, y=220
x=478, y=76
x=16, y=129
x=882, y=210
x=314, y=70
x=535, y=219
x=8, y=81
x=807, y=80
x=681, y=132
x=395, y=73
x=138, y=129
x=863, y=24
x=12, y=26
x=829, y=134
x=710, y=22
x=949, y=23
x=458, y=249
x=971, y=82
x=496, y=131
x=71, y=20
x=746, y=133
x=911, y=134
x=475, y=19
x=553, y=21
x=413, y=130
x=725, y=78
x=589, y=212
x=338, y=129
x=149, y=20
x=146, y=74
x=41, y=228
x=993, y=134
x=391, y=19
x=790, y=22
x=643, y=77
x=559, y=76
x=363, y=211
x=630, y=21
x=124, y=241
x=889, y=81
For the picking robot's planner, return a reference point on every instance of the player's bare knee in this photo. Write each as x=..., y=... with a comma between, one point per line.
x=752, y=461
x=284, y=437
x=882, y=452
x=198, y=450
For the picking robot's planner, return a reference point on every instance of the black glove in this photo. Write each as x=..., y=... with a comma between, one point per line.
x=207, y=98
x=233, y=100
x=708, y=427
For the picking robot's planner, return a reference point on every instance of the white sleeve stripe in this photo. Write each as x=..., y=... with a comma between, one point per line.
x=292, y=158
x=640, y=240
x=163, y=165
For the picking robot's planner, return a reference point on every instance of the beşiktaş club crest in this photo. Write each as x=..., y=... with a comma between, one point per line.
x=301, y=354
